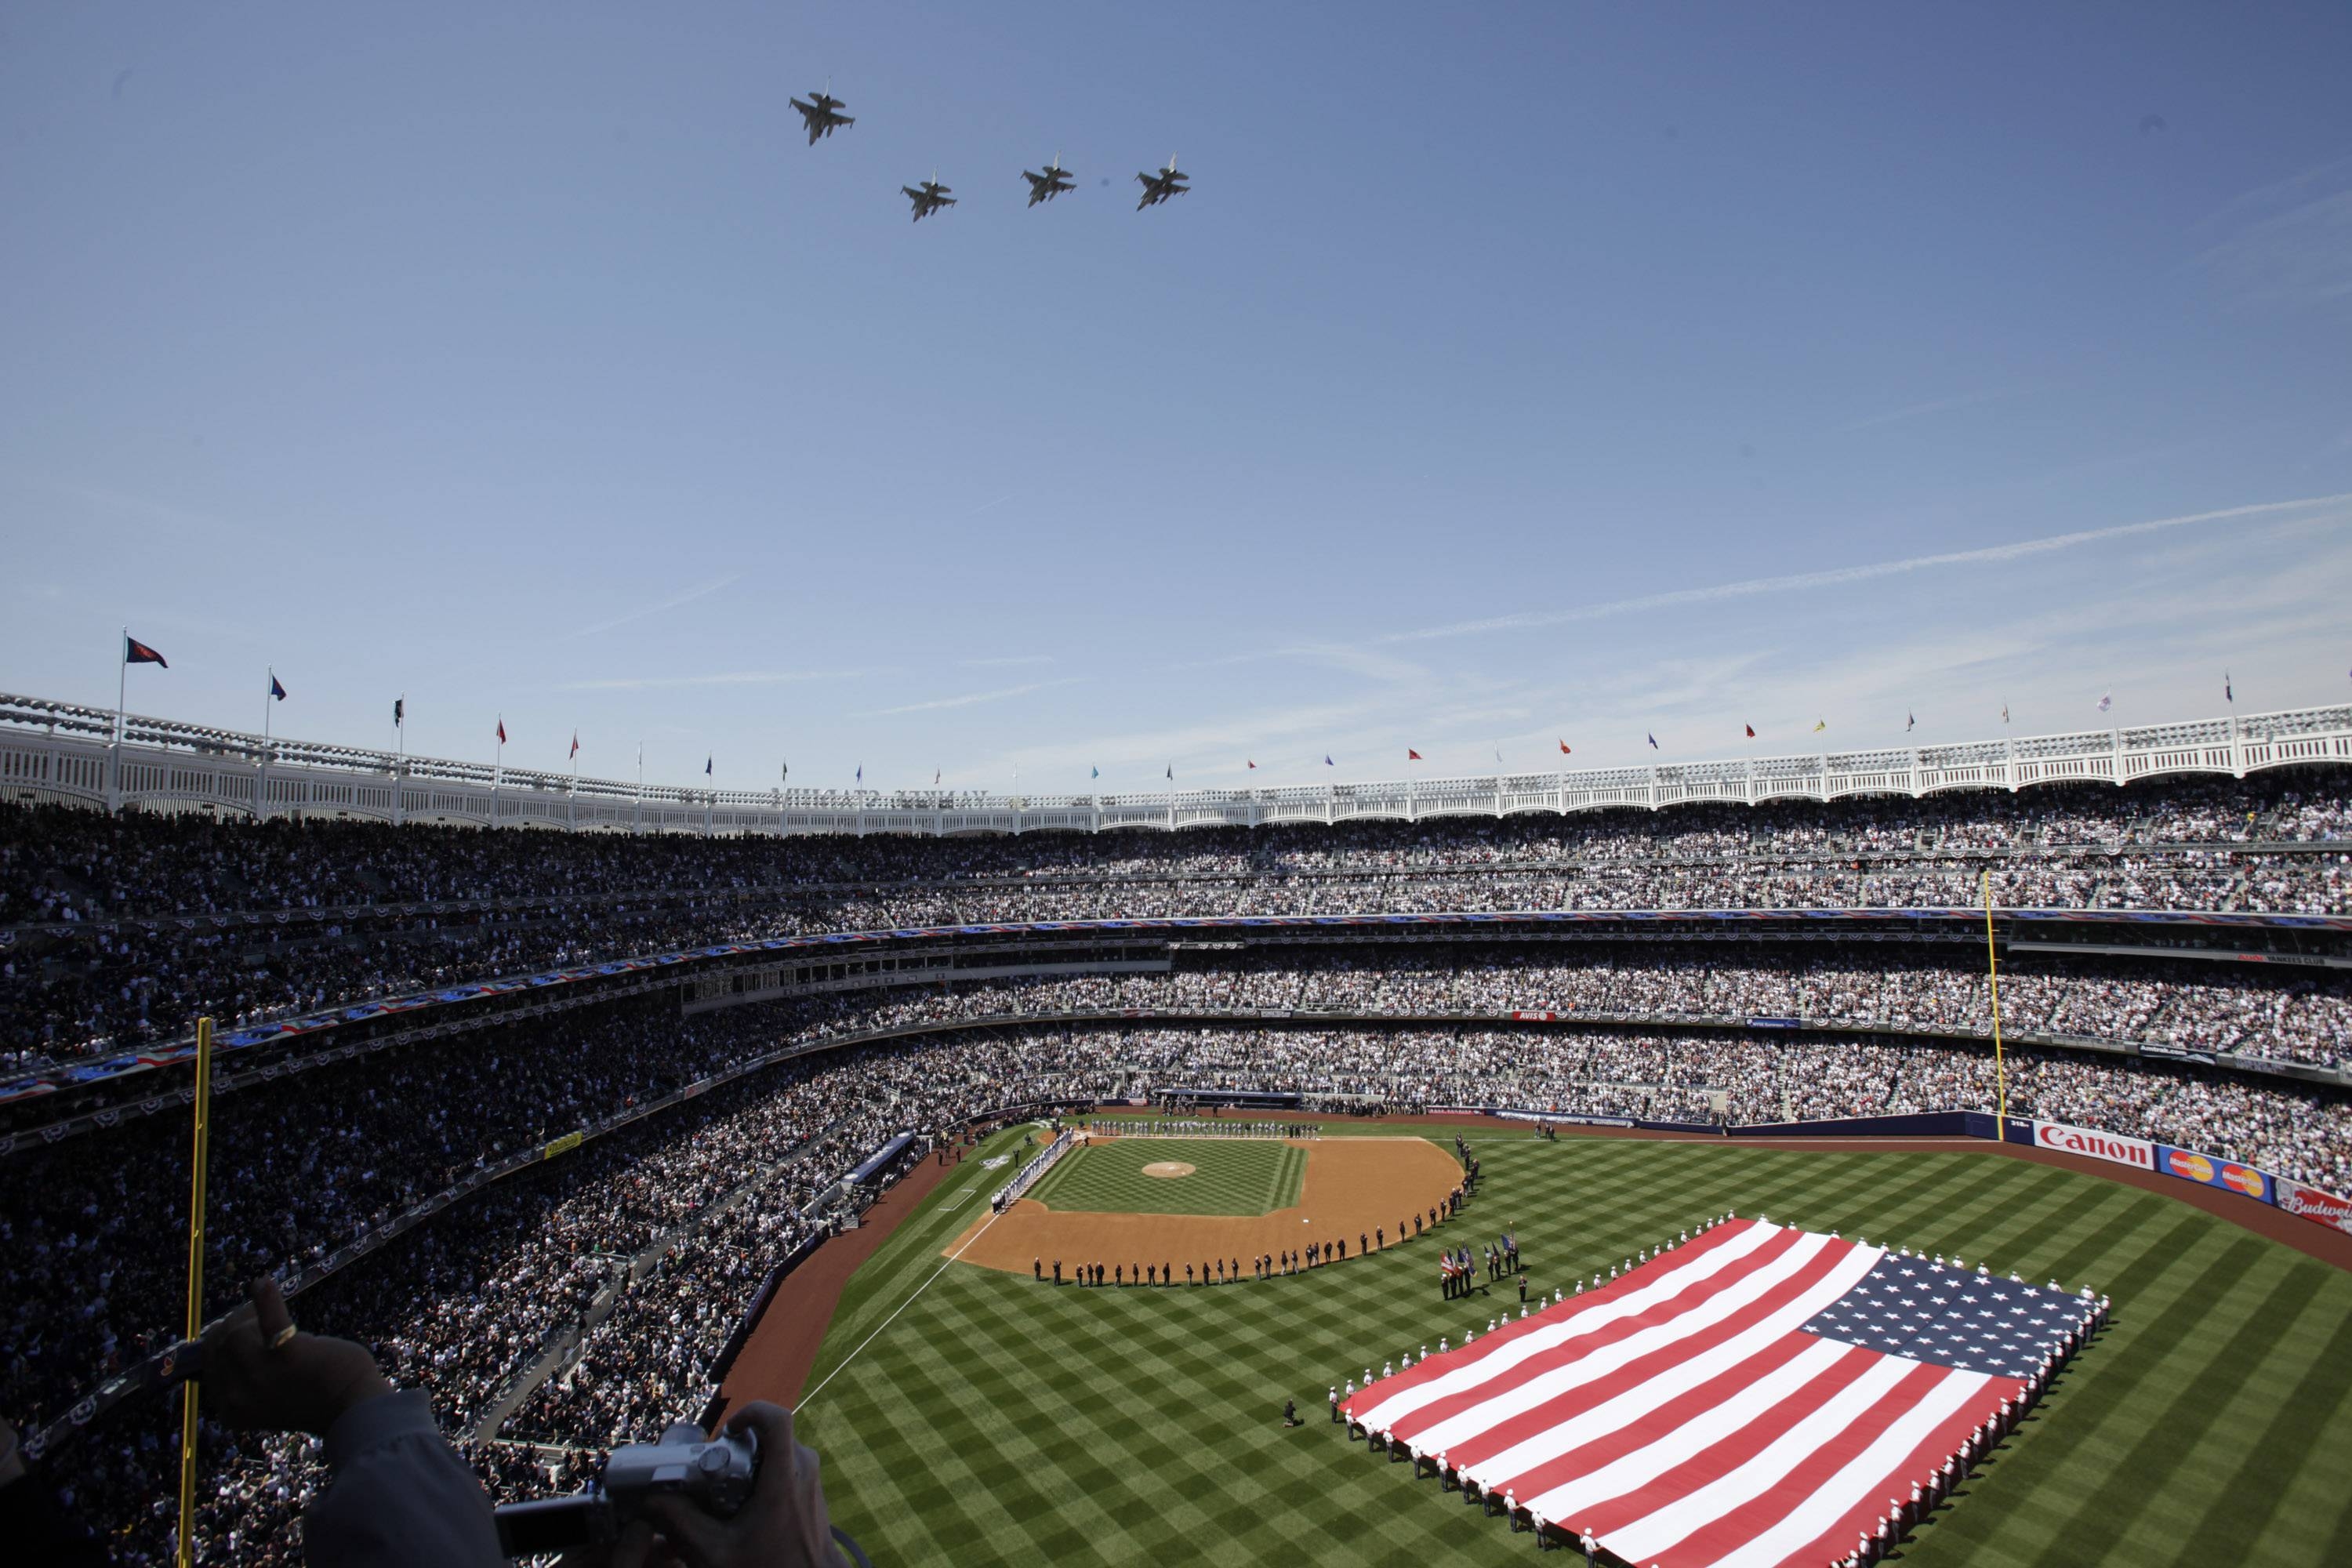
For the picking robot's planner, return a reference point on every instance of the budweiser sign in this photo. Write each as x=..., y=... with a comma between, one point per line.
x=2323, y=1209
x=2112, y=1146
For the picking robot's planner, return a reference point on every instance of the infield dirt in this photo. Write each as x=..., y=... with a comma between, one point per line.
x=1351, y=1186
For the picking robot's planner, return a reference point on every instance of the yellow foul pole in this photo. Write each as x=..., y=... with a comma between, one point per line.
x=2000, y=1068
x=195, y=1289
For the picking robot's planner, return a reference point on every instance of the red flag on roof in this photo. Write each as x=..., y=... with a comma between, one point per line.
x=1751, y=732
x=502, y=729
x=1252, y=764
x=137, y=652
x=575, y=742
x=1410, y=755
x=1563, y=748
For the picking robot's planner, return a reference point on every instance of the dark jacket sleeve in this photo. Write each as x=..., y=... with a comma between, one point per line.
x=400, y=1497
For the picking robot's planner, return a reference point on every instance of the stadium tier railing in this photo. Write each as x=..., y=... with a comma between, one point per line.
x=66, y=751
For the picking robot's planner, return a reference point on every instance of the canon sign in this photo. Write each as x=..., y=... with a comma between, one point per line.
x=2112, y=1146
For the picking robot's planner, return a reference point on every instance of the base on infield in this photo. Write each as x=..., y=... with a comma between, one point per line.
x=1351, y=1187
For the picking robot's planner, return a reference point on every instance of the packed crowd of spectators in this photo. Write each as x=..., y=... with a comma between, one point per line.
x=676, y=1219
x=325, y=912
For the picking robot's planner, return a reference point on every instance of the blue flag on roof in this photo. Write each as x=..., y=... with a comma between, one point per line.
x=861, y=773
x=1094, y=773
x=1328, y=762
x=705, y=765
x=275, y=690
x=1654, y=741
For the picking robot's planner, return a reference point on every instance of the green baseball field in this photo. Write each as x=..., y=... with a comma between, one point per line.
x=970, y=1415
x=1229, y=1176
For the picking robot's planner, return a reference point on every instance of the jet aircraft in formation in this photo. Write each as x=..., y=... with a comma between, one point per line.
x=823, y=117
x=1168, y=182
x=929, y=197
x=1045, y=186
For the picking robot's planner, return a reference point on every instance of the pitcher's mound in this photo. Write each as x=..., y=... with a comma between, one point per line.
x=1167, y=1168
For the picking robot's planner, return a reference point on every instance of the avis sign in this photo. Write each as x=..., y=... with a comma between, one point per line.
x=2136, y=1152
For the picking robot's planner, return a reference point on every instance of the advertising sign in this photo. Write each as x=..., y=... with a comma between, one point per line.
x=2319, y=1207
x=2190, y=1166
x=2098, y=1145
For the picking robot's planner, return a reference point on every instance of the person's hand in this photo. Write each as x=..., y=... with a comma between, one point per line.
x=305, y=1384
x=783, y=1524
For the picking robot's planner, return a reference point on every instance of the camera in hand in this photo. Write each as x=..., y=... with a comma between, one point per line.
x=714, y=1475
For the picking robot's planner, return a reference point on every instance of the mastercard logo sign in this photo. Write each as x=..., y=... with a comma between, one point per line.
x=2196, y=1167
x=2247, y=1182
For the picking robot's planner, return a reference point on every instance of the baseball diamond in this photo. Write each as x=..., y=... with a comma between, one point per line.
x=1247, y=1198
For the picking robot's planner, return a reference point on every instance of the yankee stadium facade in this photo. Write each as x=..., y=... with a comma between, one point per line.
x=69, y=753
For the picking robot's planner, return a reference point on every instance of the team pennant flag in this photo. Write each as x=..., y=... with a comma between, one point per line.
x=575, y=742
x=137, y=652
x=502, y=729
x=399, y=711
x=1328, y=762
x=1909, y=719
x=275, y=690
x=2004, y=713
x=1654, y=740
x=2106, y=700
x=1563, y=749
x=2229, y=692
x=1755, y=1395
x=937, y=774
x=1253, y=765
x=861, y=773
x=705, y=765
x=1094, y=773
x=1751, y=731
x=1410, y=755
x=1819, y=725
x=1171, y=772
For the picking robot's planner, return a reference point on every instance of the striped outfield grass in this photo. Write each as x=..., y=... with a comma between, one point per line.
x=996, y=1420
x=1229, y=1176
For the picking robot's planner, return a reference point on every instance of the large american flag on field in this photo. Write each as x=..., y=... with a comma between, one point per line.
x=1754, y=1396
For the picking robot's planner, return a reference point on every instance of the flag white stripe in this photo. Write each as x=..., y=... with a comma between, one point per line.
x=1631, y=1472
x=1860, y=1477
x=1549, y=1385
x=1638, y=1402
x=1383, y=1416
x=1642, y=1540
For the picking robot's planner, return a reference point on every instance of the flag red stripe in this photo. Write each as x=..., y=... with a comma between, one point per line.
x=1726, y=1530
x=1861, y=1515
x=1494, y=1346
x=1642, y=1368
x=1735, y=1448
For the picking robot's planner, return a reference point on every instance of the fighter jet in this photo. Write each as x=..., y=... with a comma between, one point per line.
x=823, y=116
x=1044, y=187
x=1159, y=187
x=930, y=197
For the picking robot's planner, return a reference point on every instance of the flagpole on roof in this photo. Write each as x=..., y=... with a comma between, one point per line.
x=121, y=687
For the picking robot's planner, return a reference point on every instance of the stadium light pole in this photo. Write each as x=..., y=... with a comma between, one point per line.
x=195, y=1323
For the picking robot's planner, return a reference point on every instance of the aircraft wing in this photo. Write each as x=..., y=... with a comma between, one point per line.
x=844, y=120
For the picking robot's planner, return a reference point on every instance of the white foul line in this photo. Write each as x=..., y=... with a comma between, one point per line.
x=893, y=1318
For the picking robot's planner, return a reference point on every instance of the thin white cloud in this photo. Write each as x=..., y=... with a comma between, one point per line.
x=969, y=699
x=684, y=597
x=1992, y=554
x=735, y=677
x=1009, y=662
x=1921, y=410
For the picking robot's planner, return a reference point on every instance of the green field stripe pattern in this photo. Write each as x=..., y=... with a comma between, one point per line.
x=1229, y=1176
x=1000, y=1421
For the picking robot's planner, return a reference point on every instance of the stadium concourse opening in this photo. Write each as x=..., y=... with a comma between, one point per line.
x=1347, y=1189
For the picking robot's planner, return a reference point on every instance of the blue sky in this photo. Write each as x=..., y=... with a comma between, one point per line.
x=1511, y=375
